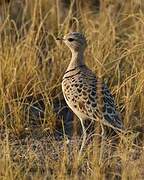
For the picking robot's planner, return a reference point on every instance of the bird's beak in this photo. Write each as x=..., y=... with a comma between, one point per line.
x=59, y=39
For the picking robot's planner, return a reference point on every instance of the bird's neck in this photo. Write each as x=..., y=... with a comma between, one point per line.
x=76, y=60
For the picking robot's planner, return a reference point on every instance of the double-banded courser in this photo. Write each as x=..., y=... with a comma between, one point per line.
x=84, y=92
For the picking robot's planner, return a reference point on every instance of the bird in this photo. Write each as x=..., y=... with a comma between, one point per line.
x=85, y=93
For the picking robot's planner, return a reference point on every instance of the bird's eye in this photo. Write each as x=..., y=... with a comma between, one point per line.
x=70, y=39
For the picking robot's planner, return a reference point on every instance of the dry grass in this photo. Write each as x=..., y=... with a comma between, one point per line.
x=32, y=65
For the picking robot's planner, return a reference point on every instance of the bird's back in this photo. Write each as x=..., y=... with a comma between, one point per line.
x=82, y=93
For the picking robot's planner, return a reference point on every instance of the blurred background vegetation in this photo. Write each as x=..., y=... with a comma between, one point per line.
x=32, y=107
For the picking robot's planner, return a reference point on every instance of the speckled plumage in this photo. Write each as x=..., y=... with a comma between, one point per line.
x=85, y=94
x=80, y=92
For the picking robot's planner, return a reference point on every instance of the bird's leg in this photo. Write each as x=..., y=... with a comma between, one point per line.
x=83, y=138
x=102, y=148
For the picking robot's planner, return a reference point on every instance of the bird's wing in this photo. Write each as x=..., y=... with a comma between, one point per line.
x=110, y=113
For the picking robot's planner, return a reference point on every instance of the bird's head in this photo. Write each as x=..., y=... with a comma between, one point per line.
x=76, y=41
